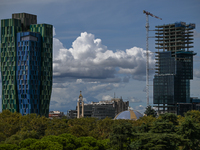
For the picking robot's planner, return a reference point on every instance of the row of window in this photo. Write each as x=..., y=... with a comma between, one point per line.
x=6, y=49
x=6, y=82
x=8, y=54
x=31, y=97
x=22, y=87
x=23, y=63
x=11, y=58
x=5, y=45
x=7, y=72
x=27, y=48
x=22, y=57
x=27, y=43
x=8, y=68
x=26, y=106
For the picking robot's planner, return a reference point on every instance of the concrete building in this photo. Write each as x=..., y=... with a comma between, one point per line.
x=119, y=105
x=101, y=109
x=174, y=68
x=26, y=64
x=56, y=114
x=80, y=114
x=72, y=114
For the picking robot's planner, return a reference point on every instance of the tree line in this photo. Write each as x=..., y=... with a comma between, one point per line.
x=165, y=132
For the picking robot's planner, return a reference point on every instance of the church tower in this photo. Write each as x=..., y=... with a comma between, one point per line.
x=80, y=102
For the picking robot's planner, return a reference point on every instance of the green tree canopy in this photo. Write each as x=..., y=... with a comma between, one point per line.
x=150, y=111
x=121, y=135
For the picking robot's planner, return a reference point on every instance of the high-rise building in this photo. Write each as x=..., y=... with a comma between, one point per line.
x=26, y=64
x=174, y=66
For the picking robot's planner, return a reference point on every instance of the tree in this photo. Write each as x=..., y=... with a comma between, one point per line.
x=9, y=124
x=194, y=114
x=32, y=122
x=78, y=131
x=169, y=117
x=90, y=143
x=71, y=141
x=166, y=123
x=190, y=130
x=162, y=126
x=102, y=129
x=8, y=147
x=121, y=135
x=27, y=142
x=150, y=111
x=156, y=141
x=56, y=126
x=47, y=145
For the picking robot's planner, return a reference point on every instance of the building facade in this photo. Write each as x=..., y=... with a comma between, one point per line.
x=174, y=67
x=56, y=114
x=80, y=107
x=26, y=64
x=100, y=110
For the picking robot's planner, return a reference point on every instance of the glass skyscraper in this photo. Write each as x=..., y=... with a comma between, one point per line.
x=26, y=64
x=174, y=66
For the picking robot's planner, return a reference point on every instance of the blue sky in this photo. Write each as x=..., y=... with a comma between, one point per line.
x=99, y=45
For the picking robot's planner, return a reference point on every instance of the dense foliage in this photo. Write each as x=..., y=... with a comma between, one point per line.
x=150, y=111
x=167, y=132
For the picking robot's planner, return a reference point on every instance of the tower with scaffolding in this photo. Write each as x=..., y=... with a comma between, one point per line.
x=174, y=68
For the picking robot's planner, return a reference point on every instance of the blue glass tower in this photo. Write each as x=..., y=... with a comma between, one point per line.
x=26, y=64
x=28, y=71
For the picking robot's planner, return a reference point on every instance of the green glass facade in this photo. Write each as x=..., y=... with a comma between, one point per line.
x=24, y=22
x=46, y=32
x=9, y=29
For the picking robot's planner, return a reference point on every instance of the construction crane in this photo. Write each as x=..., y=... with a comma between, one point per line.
x=147, y=51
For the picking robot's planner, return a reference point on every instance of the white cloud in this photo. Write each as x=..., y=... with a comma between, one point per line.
x=54, y=31
x=90, y=67
x=79, y=81
x=57, y=46
x=106, y=97
x=90, y=59
x=197, y=73
x=67, y=93
x=196, y=34
x=140, y=108
x=134, y=100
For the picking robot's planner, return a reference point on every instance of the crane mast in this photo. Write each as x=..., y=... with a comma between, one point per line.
x=147, y=52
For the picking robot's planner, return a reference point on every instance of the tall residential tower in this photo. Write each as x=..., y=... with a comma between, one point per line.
x=174, y=66
x=26, y=64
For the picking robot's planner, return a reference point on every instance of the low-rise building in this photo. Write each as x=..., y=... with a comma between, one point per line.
x=101, y=109
x=56, y=114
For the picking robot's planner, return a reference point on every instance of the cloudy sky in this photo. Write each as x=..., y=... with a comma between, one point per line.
x=99, y=45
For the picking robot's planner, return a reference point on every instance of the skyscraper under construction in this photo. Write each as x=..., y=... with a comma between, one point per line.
x=26, y=64
x=174, y=67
